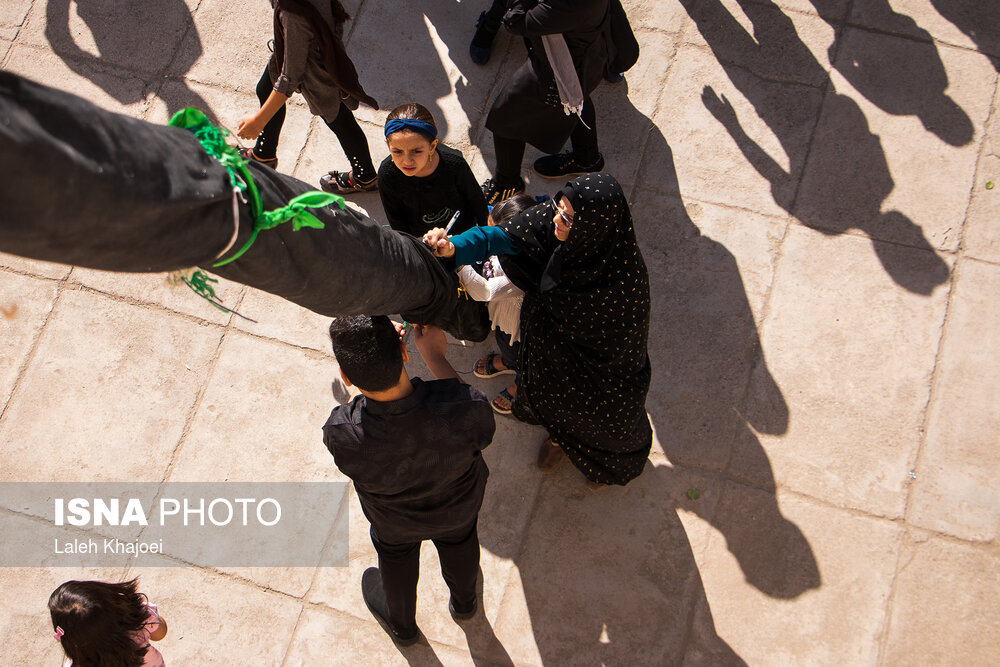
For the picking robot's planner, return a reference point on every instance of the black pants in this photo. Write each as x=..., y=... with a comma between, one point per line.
x=583, y=141
x=345, y=126
x=508, y=350
x=494, y=15
x=399, y=565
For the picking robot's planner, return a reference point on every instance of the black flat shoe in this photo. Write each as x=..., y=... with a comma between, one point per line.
x=371, y=591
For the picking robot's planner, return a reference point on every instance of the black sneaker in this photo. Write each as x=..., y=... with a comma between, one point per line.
x=371, y=591
x=564, y=164
x=495, y=193
x=482, y=42
x=462, y=615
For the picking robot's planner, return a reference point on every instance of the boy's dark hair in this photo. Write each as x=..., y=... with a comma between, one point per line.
x=412, y=111
x=510, y=207
x=367, y=349
x=99, y=620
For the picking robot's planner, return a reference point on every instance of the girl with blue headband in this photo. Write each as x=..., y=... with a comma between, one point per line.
x=424, y=183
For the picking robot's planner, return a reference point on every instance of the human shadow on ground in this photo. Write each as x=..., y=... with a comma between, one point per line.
x=132, y=34
x=979, y=19
x=901, y=76
x=426, y=78
x=610, y=576
x=838, y=180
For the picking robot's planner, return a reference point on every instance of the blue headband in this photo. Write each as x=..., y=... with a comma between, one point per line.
x=423, y=127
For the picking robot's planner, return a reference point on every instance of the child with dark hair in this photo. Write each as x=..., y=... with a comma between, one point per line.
x=424, y=182
x=412, y=449
x=309, y=57
x=100, y=623
x=504, y=306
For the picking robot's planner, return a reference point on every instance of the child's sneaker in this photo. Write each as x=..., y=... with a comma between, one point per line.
x=565, y=164
x=496, y=192
x=482, y=42
x=343, y=182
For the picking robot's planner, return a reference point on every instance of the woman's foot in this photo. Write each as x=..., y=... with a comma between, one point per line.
x=248, y=154
x=549, y=455
x=341, y=182
x=504, y=401
x=491, y=366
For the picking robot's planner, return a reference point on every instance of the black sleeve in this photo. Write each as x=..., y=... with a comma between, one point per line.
x=472, y=194
x=548, y=17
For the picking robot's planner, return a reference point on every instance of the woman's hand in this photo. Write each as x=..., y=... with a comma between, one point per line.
x=438, y=242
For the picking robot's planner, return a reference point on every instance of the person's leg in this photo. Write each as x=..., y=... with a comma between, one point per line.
x=584, y=155
x=355, y=144
x=507, y=180
x=508, y=353
x=486, y=29
x=459, y=556
x=399, y=565
x=266, y=147
x=584, y=137
x=504, y=401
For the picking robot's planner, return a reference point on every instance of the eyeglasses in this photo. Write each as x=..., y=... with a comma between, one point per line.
x=566, y=218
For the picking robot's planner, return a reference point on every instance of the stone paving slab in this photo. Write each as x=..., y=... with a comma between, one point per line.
x=109, y=87
x=34, y=267
x=26, y=303
x=816, y=597
x=955, y=491
x=864, y=352
x=106, y=394
x=942, y=579
x=823, y=259
x=959, y=22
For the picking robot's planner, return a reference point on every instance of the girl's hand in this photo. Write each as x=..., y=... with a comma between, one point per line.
x=250, y=126
x=438, y=242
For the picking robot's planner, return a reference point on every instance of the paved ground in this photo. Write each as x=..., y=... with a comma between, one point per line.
x=811, y=184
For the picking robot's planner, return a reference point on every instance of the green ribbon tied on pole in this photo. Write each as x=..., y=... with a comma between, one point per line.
x=213, y=140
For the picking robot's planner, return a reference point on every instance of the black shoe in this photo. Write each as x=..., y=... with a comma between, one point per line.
x=564, y=164
x=371, y=591
x=496, y=193
x=462, y=615
x=614, y=77
x=482, y=42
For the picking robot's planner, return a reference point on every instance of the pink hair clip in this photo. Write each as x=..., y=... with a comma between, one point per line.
x=59, y=634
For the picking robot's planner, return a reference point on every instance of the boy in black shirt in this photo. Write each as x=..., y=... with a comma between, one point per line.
x=412, y=449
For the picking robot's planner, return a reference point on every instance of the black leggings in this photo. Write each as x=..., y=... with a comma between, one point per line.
x=583, y=140
x=345, y=126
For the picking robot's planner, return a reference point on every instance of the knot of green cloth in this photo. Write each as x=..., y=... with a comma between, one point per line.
x=213, y=140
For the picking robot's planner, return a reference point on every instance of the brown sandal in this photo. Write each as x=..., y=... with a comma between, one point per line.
x=248, y=154
x=550, y=455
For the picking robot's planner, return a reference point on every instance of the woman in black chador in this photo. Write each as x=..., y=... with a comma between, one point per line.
x=584, y=324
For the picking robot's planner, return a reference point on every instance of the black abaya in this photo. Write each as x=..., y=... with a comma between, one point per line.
x=584, y=326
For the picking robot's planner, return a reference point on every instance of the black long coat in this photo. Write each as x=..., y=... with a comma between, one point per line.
x=528, y=108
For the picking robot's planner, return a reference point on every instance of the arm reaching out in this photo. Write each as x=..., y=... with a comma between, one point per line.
x=432, y=344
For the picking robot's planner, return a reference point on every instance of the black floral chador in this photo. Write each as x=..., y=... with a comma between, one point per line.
x=584, y=326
